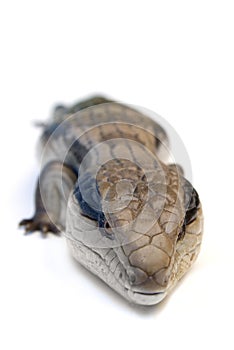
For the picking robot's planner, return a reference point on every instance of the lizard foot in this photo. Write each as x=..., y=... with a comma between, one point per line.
x=39, y=222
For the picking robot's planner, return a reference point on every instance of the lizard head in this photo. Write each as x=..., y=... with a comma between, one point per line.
x=140, y=229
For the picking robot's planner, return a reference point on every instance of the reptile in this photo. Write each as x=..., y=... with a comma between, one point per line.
x=128, y=215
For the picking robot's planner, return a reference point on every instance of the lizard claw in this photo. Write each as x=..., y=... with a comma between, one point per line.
x=40, y=223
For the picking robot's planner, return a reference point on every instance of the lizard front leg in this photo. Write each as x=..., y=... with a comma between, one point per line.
x=53, y=188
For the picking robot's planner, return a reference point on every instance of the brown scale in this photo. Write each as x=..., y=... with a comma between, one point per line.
x=123, y=184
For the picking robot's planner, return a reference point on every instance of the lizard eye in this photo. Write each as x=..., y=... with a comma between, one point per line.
x=191, y=212
x=107, y=226
x=194, y=205
x=107, y=230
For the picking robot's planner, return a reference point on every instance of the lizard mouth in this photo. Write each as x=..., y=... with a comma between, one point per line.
x=144, y=298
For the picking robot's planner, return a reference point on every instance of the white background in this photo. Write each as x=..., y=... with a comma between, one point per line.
x=173, y=57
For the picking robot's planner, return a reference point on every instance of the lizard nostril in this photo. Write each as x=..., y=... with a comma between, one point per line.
x=136, y=276
x=132, y=277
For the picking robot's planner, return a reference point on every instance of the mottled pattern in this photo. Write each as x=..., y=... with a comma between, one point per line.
x=131, y=219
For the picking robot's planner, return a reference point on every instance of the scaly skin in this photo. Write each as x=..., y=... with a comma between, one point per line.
x=131, y=219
